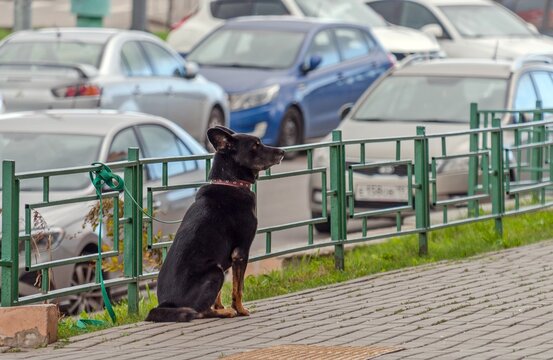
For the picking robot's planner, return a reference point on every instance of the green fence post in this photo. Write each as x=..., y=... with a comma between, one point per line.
x=473, y=160
x=422, y=204
x=536, y=163
x=130, y=229
x=338, y=198
x=497, y=176
x=10, y=234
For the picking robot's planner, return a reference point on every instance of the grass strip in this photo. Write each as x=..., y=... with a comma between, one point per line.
x=311, y=271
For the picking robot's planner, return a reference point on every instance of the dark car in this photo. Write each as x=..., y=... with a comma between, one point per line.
x=289, y=78
x=537, y=12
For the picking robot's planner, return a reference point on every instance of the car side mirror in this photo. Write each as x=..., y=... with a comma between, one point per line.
x=434, y=30
x=311, y=63
x=345, y=110
x=191, y=70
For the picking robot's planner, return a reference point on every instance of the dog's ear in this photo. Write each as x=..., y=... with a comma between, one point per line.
x=225, y=129
x=219, y=138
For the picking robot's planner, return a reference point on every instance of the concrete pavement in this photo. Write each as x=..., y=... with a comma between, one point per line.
x=495, y=306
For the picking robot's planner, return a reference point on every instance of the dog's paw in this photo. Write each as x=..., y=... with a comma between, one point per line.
x=218, y=306
x=231, y=312
x=242, y=311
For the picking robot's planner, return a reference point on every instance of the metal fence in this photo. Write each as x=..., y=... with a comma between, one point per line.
x=507, y=166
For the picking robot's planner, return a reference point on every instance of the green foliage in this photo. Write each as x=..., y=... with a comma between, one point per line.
x=4, y=33
x=67, y=326
x=161, y=34
x=310, y=271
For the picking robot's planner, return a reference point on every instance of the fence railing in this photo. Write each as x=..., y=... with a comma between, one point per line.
x=498, y=161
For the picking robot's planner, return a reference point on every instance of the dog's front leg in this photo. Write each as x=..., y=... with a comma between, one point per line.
x=218, y=303
x=239, y=264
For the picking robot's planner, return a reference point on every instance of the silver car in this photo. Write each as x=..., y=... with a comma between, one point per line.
x=468, y=28
x=436, y=94
x=110, y=69
x=66, y=138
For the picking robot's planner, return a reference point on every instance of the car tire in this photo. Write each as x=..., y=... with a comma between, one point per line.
x=291, y=131
x=216, y=117
x=323, y=228
x=90, y=301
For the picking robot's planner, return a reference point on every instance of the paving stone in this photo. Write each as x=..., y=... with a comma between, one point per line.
x=493, y=306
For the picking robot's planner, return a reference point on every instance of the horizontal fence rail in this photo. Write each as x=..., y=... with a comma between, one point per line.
x=505, y=162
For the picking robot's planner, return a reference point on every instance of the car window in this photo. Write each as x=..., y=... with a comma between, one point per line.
x=544, y=83
x=269, y=49
x=163, y=62
x=481, y=20
x=348, y=11
x=416, y=16
x=351, y=43
x=120, y=145
x=389, y=10
x=34, y=151
x=65, y=52
x=161, y=142
x=324, y=46
x=133, y=60
x=227, y=9
x=526, y=96
x=430, y=98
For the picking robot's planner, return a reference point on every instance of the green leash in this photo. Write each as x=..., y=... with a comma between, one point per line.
x=98, y=179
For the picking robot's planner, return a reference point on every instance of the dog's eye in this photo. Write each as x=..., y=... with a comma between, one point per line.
x=254, y=146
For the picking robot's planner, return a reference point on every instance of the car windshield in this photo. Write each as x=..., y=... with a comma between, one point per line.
x=431, y=98
x=344, y=10
x=34, y=151
x=59, y=52
x=249, y=48
x=475, y=21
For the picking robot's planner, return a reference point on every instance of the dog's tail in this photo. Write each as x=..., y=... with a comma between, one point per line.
x=169, y=314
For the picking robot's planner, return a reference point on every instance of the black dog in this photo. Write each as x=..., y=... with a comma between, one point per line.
x=215, y=234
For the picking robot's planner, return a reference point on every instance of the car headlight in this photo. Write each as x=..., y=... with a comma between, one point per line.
x=253, y=98
x=44, y=240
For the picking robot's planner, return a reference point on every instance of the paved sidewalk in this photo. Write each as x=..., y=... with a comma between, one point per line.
x=497, y=306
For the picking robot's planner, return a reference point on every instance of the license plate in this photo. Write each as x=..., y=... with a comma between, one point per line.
x=378, y=192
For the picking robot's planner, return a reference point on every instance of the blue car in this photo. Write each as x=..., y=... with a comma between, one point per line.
x=289, y=79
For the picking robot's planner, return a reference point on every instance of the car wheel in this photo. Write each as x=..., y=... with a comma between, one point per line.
x=291, y=131
x=216, y=117
x=90, y=301
x=323, y=228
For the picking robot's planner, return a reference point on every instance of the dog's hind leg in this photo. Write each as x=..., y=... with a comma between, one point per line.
x=239, y=264
x=205, y=294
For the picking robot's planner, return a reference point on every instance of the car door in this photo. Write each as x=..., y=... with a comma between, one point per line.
x=139, y=90
x=362, y=62
x=322, y=89
x=183, y=97
x=159, y=141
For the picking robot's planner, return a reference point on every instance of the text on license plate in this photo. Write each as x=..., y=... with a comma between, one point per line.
x=378, y=192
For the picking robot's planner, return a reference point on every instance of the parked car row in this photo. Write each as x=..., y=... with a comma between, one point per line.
x=400, y=41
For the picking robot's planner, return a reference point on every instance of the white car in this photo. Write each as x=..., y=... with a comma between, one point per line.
x=468, y=28
x=400, y=41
